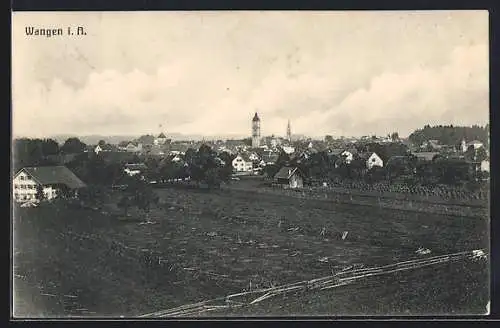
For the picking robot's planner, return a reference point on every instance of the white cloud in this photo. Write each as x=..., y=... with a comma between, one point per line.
x=456, y=93
x=337, y=76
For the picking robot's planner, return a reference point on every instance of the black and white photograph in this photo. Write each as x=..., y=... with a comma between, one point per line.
x=250, y=164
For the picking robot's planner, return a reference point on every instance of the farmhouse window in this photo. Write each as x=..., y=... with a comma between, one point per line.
x=21, y=177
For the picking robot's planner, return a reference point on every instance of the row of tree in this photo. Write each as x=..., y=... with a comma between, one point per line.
x=450, y=135
x=34, y=152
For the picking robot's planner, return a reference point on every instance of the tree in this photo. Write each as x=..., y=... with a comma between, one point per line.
x=146, y=139
x=481, y=154
x=30, y=152
x=124, y=204
x=394, y=136
x=470, y=154
x=40, y=195
x=356, y=168
x=73, y=145
x=123, y=143
x=376, y=174
x=213, y=178
x=101, y=142
x=449, y=134
x=329, y=139
x=270, y=170
x=247, y=141
x=144, y=197
x=49, y=147
x=283, y=159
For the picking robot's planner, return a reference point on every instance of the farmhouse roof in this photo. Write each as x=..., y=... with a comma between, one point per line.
x=352, y=150
x=270, y=157
x=54, y=175
x=245, y=157
x=162, y=136
x=106, y=147
x=136, y=166
x=335, y=152
x=116, y=156
x=286, y=172
x=156, y=152
x=367, y=154
x=474, y=142
x=427, y=156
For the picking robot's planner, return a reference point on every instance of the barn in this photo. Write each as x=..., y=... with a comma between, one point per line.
x=54, y=180
x=289, y=177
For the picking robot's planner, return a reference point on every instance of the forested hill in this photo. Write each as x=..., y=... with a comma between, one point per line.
x=450, y=135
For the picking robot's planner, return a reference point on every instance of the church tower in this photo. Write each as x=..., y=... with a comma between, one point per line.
x=289, y=132
x=256, y=131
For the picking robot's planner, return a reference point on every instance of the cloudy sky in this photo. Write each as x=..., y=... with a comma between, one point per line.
x=339, y=73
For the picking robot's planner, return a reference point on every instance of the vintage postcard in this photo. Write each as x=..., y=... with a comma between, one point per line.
x=250, y=164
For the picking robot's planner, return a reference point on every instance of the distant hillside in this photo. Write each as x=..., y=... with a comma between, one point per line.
x=116, y=139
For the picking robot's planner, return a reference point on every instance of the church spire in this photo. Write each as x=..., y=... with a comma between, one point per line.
x=289, y=132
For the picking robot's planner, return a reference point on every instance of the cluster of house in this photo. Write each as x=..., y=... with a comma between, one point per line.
x=247, y=160
x=154, y=146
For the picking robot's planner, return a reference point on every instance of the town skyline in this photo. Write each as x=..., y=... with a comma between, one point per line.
x=207, y=73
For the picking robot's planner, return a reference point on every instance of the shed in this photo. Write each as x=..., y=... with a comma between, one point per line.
x=290, y=177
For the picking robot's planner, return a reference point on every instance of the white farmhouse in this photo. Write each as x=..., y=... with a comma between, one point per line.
x=475, y=143
x=53, y=180
x=372, y=159
x=135, y=169
x=160, y=140
x=348, y=155
x=242, y=163
x=485, y=166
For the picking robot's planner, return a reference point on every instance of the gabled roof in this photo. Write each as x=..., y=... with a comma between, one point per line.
x=398, y=160
x=270, y=157
x=106, y=147
x=286, y=172
x=54, y=175
x=352, y=150
x=136, y=166
x=474, y=142
x=162, y=136
x=428, y=156
x=179, y=147
x=244, y=157
x=366, y=155
x=116, y=156
x=256, y=118
x=334, y=152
